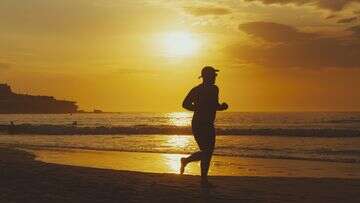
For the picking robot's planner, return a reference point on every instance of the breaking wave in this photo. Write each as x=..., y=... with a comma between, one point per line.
x=171, y=130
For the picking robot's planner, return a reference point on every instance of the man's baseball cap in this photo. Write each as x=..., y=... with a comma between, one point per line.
x=208, y=70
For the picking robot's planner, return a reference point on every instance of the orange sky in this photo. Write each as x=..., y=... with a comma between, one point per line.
x=142, y=55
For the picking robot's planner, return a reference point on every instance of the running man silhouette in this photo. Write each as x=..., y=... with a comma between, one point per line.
x=204, y=101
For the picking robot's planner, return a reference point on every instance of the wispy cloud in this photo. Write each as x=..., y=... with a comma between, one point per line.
x=206, y=10
x=274, y=32
x=347, y=20
x=332, y=5
x=331, y=16
x=285, y=46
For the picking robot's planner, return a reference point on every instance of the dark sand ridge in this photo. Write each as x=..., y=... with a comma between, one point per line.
x=24, y=180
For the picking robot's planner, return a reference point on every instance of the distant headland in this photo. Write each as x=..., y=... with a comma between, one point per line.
x=11, y=102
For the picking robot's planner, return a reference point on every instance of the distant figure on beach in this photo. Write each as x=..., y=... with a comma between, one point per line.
x=204, y=101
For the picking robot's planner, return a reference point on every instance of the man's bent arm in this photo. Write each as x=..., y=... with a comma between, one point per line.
x=188, y=102
x=219, y=106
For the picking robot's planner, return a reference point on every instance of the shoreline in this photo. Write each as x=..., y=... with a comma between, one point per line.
x=155, y=162
x=25, y=180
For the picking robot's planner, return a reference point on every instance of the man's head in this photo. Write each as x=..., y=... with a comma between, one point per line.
x=208, y=74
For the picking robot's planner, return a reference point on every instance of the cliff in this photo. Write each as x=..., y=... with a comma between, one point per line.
x=11, y=102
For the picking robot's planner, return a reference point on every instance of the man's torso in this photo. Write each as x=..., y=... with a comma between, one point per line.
x=206, y=102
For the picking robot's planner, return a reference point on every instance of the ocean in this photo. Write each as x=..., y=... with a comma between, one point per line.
x=317, y=136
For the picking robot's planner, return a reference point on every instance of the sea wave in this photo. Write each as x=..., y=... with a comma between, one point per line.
x=171, y=130
x=349, y=121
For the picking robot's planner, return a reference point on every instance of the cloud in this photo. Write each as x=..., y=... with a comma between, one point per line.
x=331, y=16
x=274, y=32
x=286, y=46
x=206, y=10
x=347, y=20
x=332, y=5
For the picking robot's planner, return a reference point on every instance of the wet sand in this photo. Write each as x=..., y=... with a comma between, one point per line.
x=220, y=165
x=25, y=180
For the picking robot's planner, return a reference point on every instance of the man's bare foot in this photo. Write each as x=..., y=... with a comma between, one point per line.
x=182, y=165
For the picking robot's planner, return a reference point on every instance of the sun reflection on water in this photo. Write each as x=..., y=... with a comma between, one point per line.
x=179, y=141
x=179, y=118
x=172, y=162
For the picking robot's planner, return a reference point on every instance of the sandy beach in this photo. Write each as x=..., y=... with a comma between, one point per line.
x=25, y=180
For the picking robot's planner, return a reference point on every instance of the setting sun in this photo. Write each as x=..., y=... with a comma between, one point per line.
x=180, y=44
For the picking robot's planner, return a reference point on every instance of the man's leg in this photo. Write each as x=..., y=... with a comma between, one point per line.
x=196, y=156
x=207, y=149
x=206, y=158
x=193, y=157
x=205, y=138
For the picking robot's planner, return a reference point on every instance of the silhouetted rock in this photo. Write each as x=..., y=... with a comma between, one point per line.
x=22, y=103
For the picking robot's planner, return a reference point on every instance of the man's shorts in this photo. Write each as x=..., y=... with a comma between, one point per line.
x=204, y=134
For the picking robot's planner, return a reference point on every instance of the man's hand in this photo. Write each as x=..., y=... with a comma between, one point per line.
x=223, y=106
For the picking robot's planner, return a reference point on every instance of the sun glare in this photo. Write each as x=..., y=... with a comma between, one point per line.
x=178, y=44
x=179, y=118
